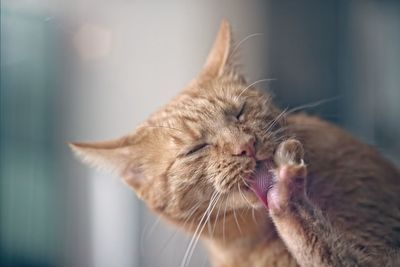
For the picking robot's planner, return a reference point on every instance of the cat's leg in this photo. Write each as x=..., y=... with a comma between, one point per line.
x=307, y=233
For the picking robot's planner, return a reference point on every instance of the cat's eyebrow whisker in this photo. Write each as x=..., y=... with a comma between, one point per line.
x=244, y=40
x=250, y=85
x=279, y=139
x=293, y=126
x=275, y=137
x=314, y=104
x=282, y=129
x=274, y=121
x=280, y=133
x=287, y=112
x=309, y=105
x=161, y=126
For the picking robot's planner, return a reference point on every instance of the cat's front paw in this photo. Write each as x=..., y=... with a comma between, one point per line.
x=289, y=179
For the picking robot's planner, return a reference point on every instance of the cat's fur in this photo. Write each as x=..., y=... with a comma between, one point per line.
x=205, y=144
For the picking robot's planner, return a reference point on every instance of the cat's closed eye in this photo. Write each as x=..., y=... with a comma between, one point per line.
x=195, y=149
x=240, y=114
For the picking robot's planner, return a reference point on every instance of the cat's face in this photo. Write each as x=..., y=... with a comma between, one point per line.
x=205, y=144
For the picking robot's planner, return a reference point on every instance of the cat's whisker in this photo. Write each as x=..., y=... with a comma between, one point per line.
x=313, y=104
x=209, y=227
x=243, y=196
x=236, y=220
x=206, y=222
x=241, y=212
x=188, y=217
x=290, y=111
x=215, y=221
x=147, y=232
x=293, y=126
x=168, y=240
x=309, y=105
x=276, y=138
x=203, y=221
x=161, y=126
x=192, y=212
x=253, y=215
x=245, y=181
x=273, y=122
x=197, y=229
x=235, y=49
x=250, y=85
x=223, y=224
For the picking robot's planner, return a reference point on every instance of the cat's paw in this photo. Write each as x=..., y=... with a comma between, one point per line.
x=289, y=178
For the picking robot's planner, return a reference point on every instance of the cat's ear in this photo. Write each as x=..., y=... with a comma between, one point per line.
x=118, y=156
x=220, y=60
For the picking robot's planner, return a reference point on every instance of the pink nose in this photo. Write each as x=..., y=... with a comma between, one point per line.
x=244, y=148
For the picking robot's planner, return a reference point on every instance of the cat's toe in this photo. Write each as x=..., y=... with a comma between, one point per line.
x=290, y=175
x=289, y=152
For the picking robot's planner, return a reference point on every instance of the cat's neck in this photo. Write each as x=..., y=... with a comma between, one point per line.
x=241, y=239
x=244, y=225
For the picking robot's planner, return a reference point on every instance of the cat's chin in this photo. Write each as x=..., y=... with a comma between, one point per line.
x=255, y=194
x=242, y=199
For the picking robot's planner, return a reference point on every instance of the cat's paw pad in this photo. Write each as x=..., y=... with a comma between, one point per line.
x=290, y=175
x=289, y=152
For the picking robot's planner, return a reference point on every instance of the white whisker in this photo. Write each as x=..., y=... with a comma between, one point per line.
x=147, y=232
x=244, y=40
x=204, y=224
x=253, y=216
x=215, y=221
x=223, y=224
x=243, y=196
x=236, y=220
x=274, y=121
x=258, y=81
x=161, y=126
x=313, y=104
x=203, y=221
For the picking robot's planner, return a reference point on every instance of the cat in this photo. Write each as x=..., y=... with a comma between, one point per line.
x=259, y=186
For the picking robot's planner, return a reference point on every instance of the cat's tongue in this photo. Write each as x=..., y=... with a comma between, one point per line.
x=262, y=180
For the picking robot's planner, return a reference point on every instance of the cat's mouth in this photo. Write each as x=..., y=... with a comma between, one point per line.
x=262, y=180
x=253, y=190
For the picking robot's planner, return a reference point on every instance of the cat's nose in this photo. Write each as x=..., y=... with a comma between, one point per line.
x=244, y=148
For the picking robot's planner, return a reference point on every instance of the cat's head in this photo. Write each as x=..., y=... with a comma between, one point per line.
x=203, y=145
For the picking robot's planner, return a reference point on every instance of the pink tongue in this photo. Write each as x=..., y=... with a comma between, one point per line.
x=262, y=180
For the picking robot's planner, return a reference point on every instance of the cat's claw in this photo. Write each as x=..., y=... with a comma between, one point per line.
x=289, y=178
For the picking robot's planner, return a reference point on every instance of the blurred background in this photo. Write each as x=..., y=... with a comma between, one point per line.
x=86, y=70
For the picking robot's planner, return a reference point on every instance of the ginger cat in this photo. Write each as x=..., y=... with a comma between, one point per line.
x=260, y=187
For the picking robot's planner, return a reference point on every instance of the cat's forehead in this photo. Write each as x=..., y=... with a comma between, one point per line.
x=197, y=113
x=205, y=109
